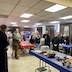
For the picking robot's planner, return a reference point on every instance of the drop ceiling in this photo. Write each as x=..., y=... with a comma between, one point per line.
x=14, y=8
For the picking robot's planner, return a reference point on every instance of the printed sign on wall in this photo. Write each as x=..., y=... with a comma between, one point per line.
x=66, y=30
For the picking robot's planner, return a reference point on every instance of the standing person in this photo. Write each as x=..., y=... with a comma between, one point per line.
x=23, y=36
x=37, y=39
x=61, y=38
x=16, y=42
x=55, y=42
x=32, y=38
x=3, y=51
x=47, y=38
x=67, y=42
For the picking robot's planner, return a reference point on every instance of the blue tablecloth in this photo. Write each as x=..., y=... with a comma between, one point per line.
x=65, y=46
x=52, y=61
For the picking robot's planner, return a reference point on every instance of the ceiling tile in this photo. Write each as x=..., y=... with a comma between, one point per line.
x=56, y=15
x=8, y=21
x=5, y=6
x=10, y=1
x=43, y=13
x=17, y=14
x=20, y=9
x=4, y=12
x=33, y=11
x=2, y=20
x=43, y=5
x=62, y=12
x=30, y=6
x=28, y=3
x=59, y=14
x=18, y=19
x=46, y=17
x=13, y=16
x=33, y=17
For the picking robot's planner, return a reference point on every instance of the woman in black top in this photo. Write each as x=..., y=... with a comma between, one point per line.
x=55, y=42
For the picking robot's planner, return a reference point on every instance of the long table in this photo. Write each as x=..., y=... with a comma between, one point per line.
x=64, y=46
x=52, y=61
x=67, y=47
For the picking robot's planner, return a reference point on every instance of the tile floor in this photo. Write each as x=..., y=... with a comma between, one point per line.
x=26, y=63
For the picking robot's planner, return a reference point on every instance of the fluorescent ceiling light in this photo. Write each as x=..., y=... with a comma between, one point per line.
x=25, y=21
x=66, y=17
x=36, y=24
x=55, y=22
x=55, y=8
x=26, y=15
x=26, y=26
x=13, y=23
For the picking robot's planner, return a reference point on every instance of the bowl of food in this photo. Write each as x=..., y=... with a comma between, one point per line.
x=44, y=51
x=51, y=54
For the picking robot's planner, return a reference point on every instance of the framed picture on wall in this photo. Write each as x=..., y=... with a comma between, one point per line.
x=66, y=30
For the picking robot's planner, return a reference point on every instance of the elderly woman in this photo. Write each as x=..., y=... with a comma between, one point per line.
x=37, y=39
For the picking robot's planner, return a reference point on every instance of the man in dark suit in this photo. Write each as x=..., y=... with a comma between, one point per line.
x=3, y=51
x=47, y=38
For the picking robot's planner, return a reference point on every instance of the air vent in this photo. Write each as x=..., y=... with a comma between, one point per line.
x=3, y=16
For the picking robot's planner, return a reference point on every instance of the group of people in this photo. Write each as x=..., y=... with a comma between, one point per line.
x=16, y=37
x=56, y=40
x=33, y=39
x=4, y=42
x=60, y=39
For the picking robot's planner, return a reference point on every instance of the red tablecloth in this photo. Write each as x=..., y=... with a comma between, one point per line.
x=26, y=45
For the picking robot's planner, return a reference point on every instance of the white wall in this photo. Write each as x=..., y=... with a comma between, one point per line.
x=35, y=29
x=43, y=29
